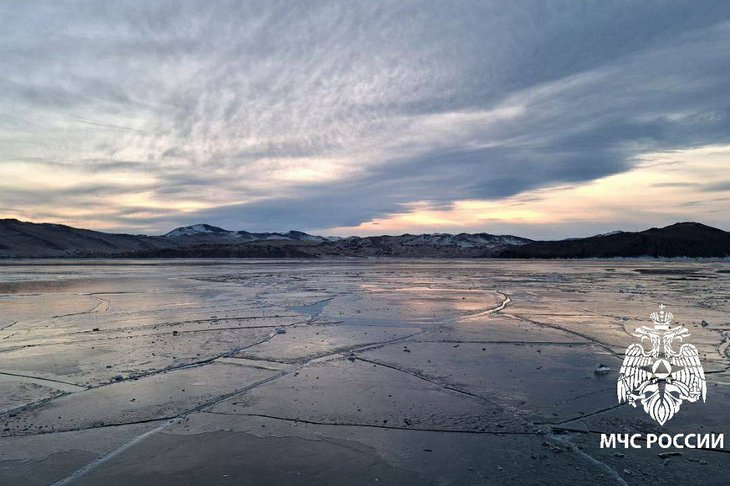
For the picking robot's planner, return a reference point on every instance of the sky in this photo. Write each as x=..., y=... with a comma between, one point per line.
x=545, y=119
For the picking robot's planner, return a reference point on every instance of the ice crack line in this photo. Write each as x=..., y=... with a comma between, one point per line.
x=8, y=327
x=380, y=426
x=506, y=300
x=136, y=440
x=202, y=407
x=591, y=414
x=102, y=305
x=94, y=464
x=65, y=386
x=182, y=366
x=601, y=465
x=568, y=331
x=426, y=379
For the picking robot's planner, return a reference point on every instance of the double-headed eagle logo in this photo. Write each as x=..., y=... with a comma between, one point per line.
x=661, y=378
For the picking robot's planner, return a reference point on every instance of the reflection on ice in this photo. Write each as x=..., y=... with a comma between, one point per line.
x=393, y=358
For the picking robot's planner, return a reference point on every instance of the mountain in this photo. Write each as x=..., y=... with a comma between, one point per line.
x=205, y=233
x=463, y=245
x=677, y=240
x=32, y=240
x=21, y=239
x=196, y=230
x=39, y=240
x=223, y=251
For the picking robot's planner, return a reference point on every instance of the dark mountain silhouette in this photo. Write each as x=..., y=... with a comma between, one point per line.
x=22, y=239
x=677, y=240
x=32, y=240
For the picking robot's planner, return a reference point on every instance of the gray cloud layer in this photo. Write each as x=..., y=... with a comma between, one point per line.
x=395, y=102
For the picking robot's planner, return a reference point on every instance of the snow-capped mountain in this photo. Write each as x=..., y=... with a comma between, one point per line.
x=195, y=230
x=205, y=233
x=39, y=240
x=430, y=245
x=462, y=240
x=427, y=245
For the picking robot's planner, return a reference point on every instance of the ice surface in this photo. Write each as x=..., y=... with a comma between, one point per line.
x=404, y=371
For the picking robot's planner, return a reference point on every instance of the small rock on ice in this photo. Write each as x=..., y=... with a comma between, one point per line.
x=601, y=369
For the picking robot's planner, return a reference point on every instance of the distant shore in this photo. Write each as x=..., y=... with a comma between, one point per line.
x=20, y=239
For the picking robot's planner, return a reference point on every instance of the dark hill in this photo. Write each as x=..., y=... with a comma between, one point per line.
x=22, y=239
x=677, y=240
x=31, y=240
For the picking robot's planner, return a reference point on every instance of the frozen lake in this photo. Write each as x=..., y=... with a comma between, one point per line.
x=345, y=372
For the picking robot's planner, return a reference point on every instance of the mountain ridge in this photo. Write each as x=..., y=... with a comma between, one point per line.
x=19, y=239
x=683, y=239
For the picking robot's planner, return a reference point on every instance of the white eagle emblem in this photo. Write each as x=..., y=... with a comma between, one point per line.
x=661, y=379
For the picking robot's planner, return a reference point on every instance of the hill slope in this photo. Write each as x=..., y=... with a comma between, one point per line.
x=677, y=240
x=444, y=245
x=21, y=239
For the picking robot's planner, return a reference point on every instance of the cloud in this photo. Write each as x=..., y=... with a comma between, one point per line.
x=722, y=186
x=322, y=115
x=628, y=200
